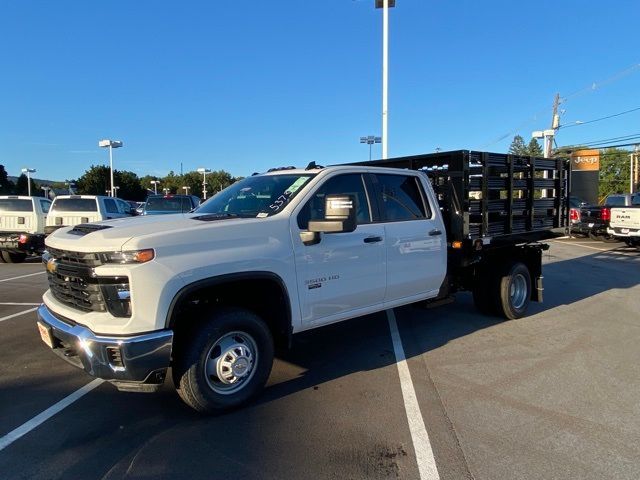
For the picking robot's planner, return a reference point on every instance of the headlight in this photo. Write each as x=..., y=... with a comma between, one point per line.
x=134, y=256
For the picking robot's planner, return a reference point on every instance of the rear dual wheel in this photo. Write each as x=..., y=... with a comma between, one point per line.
x=506, y=294
x=10, y=257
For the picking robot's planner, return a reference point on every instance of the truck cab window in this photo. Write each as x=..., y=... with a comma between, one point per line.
x=352, y=184
x=110, y=205
x=402, y=198
x=45, y=204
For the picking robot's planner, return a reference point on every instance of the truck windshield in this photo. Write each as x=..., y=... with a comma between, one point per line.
x=256, y=196
x=15, y=205
x=615, y=201
x=74, y=205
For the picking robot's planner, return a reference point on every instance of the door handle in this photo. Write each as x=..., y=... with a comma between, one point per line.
x=372, y=239
x=435, y=231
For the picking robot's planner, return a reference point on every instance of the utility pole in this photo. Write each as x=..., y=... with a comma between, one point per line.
x=633, y=168
x=555, y=124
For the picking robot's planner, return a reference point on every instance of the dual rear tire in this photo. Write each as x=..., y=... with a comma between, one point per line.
x=10, y=257
x=506, y=293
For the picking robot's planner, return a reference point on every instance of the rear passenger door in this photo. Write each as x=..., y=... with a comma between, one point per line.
x=414, y=235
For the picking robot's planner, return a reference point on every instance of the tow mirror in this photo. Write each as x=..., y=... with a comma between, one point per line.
x=339, y=217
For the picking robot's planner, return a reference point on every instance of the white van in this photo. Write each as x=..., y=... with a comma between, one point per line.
x=70, y=210
x=22, y=223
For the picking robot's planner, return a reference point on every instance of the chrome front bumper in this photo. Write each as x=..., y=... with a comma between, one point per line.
x=132, y=363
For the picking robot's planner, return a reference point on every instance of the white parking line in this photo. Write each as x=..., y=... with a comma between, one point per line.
x=22, y=276
x=18, y=314
x=39, y=419
x=21, y=304
x=419, y=436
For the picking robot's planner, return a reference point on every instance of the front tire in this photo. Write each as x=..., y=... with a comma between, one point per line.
x=514, y=291
x=10, y=257
x=224, y=361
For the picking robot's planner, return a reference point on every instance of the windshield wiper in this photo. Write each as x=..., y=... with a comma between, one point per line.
x=207, y=217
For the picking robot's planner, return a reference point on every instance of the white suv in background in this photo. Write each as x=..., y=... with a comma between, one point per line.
x=71, y=210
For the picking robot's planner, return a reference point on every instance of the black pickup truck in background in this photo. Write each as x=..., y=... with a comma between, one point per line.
x=594, y=219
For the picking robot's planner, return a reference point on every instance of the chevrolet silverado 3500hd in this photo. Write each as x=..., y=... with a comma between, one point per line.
x=212, y=293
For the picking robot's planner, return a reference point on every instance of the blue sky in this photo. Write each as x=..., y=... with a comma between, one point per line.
x=247, y=85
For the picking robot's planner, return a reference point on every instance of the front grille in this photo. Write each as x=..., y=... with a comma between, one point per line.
x=74, y=283
x=75, y=258
x=77, y=292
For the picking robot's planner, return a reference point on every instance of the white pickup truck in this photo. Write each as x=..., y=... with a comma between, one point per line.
x=213, y=292
x=22, y=223
x=70, y=210
x=625, y=222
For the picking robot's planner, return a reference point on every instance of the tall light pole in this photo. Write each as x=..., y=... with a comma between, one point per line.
x=155, y=184
x=115, y=191
x=111, y=144
x=385, y=5
x=46, y=189
x=29, y=171
x=186, y=190
x=204, y=172
x=370, y=140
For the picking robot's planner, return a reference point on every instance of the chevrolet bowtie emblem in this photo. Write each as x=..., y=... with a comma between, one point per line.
x=52, y=266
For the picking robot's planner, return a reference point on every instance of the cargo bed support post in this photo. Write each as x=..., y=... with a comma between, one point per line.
x=485, y=196
x=510, y=189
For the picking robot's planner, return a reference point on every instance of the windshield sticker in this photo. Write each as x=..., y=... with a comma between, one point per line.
x=284, y=198
x=245, y=189
x=296, y=185
x=280, y=201
x=262, y=215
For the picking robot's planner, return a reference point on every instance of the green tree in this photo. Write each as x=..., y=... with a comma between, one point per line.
x=97, y=181
x=534, y=149
x=145, y=183
x=171, y=182
x=130, y=187
x=614, y=171
x=6, y=186
x=216, y=181
x=22, y=187
x=518, y=147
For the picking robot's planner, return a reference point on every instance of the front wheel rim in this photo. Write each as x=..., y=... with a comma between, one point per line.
x=518, y=291
x=231, y=362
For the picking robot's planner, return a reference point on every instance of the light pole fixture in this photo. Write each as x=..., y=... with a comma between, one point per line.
x=165, y=190
x=111, y=144
x=115, y=191
x=46, y=189
x=385, y=5
x=370, y=140
x=69, y=184
x=204, y=172
x=155, y=184
x=186, y=190
x=29, y=171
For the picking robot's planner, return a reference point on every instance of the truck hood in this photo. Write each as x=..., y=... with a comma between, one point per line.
x=111, y=235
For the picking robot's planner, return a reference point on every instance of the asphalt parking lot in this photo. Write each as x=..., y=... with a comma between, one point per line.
x=552, y=395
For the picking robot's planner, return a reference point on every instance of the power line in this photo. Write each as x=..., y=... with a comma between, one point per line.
x=600, y=119
x=594, y=86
